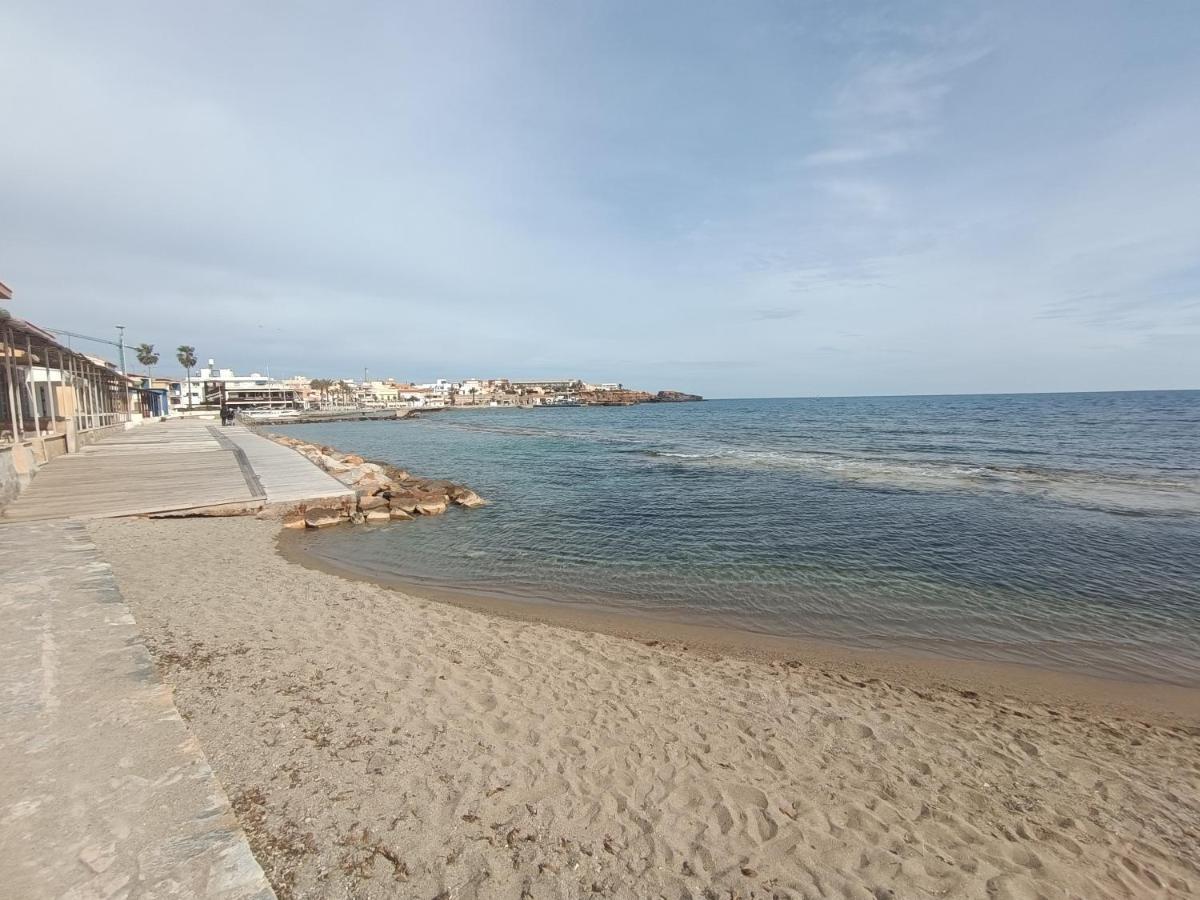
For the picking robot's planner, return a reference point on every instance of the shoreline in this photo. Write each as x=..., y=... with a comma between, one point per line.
x=1164, y=704
x=377, y=744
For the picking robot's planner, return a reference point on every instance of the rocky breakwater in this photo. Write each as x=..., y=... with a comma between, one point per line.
x=383, y=492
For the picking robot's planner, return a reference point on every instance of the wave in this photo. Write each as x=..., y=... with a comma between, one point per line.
x=1128, y=494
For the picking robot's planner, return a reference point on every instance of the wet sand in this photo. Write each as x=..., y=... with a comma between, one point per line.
x=1163, y=704
x=378, y=744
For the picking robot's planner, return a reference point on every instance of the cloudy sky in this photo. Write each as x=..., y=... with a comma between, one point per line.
x=741, y=199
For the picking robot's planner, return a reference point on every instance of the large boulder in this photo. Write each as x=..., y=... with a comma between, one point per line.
x=331, y=465
x=404, y=501
x=322, y=517
x=372, y=502
x=401, y=515
x=468, y=498
x=431, y=505
x=395, y=474
x=294, y=520
x=375, y=516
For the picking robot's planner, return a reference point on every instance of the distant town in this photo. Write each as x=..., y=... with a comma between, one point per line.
x=212, y=385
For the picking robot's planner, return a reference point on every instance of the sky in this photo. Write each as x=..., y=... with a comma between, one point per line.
x=735, y=199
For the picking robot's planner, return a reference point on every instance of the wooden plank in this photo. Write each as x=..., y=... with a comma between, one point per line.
x=170, y=467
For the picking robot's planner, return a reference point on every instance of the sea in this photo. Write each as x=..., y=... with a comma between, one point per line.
x=1052, y=530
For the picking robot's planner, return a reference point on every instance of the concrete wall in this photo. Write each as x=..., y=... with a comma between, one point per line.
x=11, y=481
x=84, y=438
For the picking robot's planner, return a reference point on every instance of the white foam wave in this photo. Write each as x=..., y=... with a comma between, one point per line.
x=1117, y=492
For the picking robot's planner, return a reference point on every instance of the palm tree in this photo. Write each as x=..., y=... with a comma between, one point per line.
x=322, y=386
x=147, y=357
x=187, y=358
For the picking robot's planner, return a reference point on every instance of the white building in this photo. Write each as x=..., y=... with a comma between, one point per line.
x=211, y=386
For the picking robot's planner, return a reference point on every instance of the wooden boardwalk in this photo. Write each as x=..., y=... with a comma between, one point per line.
x=176, y=467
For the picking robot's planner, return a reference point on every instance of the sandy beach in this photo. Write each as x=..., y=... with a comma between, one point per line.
x=377, y=744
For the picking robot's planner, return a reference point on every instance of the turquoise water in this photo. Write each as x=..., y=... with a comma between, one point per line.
x=1057, y=530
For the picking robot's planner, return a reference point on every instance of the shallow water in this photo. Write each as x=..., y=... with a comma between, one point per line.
x=1057, y=530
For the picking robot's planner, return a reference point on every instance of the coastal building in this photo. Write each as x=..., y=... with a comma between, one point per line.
x=53, y=400
x=417, y=396
x=219, y=386
x=471, y=392
x=302, y=387
x=382, y=394
x=560, y=386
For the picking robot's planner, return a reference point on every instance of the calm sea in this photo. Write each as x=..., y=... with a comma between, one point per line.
x=1061, y=530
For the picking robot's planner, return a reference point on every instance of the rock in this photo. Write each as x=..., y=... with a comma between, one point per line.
x=400, y=515
x=372, y=502
x=349, y=476
x=396, y=474
x=357, y=518
x=331, y=465
x=370, y=483
x=432, y=506
x=322, y=517
x=353, y=460
x=294, y=520
x=468, y=498
x=404, y=501
x=378, y=515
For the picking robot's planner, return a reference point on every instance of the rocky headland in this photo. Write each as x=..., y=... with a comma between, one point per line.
x=674, y=397
x=382, y=492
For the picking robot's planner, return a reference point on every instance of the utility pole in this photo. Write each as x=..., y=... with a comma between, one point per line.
x=121, y=345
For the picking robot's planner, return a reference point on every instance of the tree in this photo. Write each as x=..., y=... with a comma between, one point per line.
x=187, y=358
x=147, y=357
x=322, y=386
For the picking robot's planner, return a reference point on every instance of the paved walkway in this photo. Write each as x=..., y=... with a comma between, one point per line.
x=178, y=467
x=103, y=790
x=285, y=475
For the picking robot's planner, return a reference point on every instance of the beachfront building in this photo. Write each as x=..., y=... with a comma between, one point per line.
x=302, y=387
x=254, y=391
x=561, y=386
x=417, y=396
x=382, y=394
x=472, y=391
x=53, y=400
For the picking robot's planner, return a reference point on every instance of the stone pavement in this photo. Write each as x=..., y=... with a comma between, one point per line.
x=104, y=792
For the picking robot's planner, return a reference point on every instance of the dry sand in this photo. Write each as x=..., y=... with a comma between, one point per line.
x=381, y=745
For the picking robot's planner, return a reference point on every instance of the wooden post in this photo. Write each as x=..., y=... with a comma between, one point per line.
x=12, y=397
x=77, y=411
x=37, y=407
x=90, y=390
x=50, y=395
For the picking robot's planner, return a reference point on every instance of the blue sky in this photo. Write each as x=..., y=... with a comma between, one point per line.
x=738, y=199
